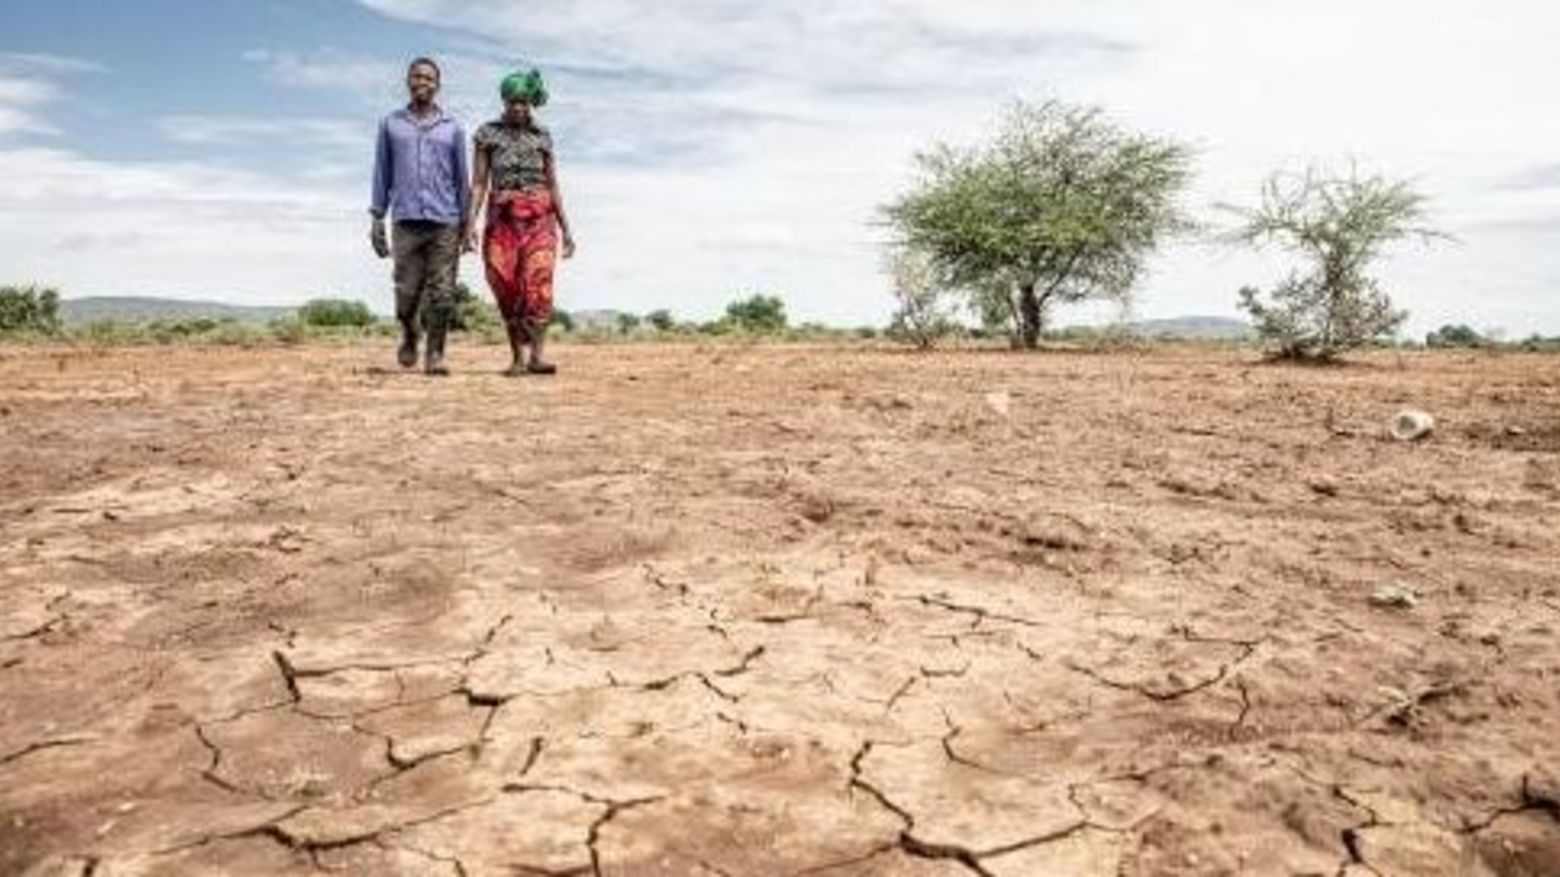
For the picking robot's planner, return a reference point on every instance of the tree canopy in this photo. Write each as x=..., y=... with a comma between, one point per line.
x=1060, y=206
x=759, y=314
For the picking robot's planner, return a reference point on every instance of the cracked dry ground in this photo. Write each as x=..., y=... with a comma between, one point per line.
x=775, y=611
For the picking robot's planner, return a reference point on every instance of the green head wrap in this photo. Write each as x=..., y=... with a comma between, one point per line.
x=527, y=86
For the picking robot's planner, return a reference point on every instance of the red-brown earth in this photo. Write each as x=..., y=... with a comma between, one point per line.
x=777, y=611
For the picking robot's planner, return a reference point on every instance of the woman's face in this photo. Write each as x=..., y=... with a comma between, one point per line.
x=517, y=112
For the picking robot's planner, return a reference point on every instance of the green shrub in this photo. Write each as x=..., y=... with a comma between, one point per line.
x=627, y=323
x=107, y=332
x=187, y=327
x=334, y=312
x=1458, y=335
x=289, y=331
x=661, y=320
x=478, y=317
x=1339, y=225
x=234, y=334
x=1539, y=344
x=759, y=314
x=29, y=309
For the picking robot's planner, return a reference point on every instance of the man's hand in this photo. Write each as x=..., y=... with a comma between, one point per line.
x=568, y=246
x=379, y=239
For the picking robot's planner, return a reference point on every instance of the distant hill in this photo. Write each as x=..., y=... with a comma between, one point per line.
x=142, y=309
x=599, y=318
x=1203, y=328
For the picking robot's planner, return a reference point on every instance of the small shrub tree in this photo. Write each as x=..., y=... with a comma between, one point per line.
x=1060, y=206
x=1339, y=225
x=334, y=313
x=474, y=313
x=1455, y=335
x=478, y=317
x=289, y=331
x=924, y=315
x=29, y=309
x=562, y=320
x=758, y=314
x=661, y=320
x=627, y=323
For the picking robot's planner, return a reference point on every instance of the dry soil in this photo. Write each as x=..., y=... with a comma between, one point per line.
x=777, y=611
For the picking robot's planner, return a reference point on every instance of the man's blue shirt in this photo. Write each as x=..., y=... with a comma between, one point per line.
x=420, y=169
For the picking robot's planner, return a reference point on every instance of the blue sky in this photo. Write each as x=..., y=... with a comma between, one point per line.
x=711, y=147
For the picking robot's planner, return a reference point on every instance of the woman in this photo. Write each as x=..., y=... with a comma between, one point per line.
x=516, y=175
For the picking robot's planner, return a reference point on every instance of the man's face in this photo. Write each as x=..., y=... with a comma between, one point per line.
x=422, y=82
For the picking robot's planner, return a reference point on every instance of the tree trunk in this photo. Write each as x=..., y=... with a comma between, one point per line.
x=1015, y=326
x=1028, y=315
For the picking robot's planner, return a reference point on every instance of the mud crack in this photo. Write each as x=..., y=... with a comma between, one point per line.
x=914, y=845
x=612, y=809
x=1178, y=689
x=40, y=746
x=209, y=772
x=1529, y=800
x=453, y=861
x=702, y=677
x=980, y=614
x=1162, y=695
x=41, y=630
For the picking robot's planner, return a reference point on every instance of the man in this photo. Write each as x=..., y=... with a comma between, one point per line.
x=420, y=180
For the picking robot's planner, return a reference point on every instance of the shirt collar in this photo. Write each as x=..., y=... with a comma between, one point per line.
x=438, y=117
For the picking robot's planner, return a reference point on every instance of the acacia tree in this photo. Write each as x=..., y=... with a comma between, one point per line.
x=1060, y=206
x=924, y=316
x=1339, y=225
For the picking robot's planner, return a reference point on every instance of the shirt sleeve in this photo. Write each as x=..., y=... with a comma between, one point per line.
x=379, y=197
x=462, y=174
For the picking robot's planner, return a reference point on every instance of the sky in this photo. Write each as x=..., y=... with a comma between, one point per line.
x=708, y=149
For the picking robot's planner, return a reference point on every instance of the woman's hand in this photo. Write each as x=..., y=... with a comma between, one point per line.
x=568, y=245
x=468, y=239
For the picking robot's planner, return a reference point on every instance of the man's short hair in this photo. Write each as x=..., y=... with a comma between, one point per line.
x=422, y=61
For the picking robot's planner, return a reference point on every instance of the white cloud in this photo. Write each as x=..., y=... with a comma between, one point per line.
x=92, y=226
x=327, y=69
x=50, y=63
x=27, y=84
x=712, y=146
x=20, y=100
x=719, y=145
x=185, y=229
x=214, y=130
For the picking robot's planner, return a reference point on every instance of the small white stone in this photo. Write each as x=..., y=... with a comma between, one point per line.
x=1410, y=425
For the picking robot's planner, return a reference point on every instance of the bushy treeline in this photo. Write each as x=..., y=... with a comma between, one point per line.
x=29, y=310
x=757, y=316
x=34, y=313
